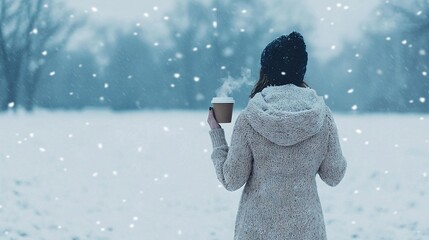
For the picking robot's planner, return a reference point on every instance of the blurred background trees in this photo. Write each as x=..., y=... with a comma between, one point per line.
x=31, y=33
x=205, y=43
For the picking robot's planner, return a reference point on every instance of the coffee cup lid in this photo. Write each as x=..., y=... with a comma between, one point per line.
x=223, y=100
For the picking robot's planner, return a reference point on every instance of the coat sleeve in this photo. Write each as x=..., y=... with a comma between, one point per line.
x=233, y=164
x=333, y=166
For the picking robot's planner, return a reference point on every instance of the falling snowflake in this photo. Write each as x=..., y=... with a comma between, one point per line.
x=44, y=53
x=422, y=100
x=95, y=174
x=214, y=24
x=179, y=55
x=52, y=73
x=424, y=73
x=42, y=149
x=11, y=104
x=350, y=91
x=94, y=9
x=176, y=75
x=354, y=107
x=196, y=79
x=100, y=145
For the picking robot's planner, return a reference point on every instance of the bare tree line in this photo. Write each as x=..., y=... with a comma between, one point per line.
x=30, y=31
x=33, y=35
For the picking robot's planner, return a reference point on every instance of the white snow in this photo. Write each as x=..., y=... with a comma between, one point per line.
x=113, y=194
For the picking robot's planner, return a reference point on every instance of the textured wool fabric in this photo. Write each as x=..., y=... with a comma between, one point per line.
x=280, y=142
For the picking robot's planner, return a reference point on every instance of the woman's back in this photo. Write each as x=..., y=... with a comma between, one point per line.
x=281, y=141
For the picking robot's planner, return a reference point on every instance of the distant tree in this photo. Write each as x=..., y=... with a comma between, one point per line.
x=30, y=33
x=412, y=28
x=133, y=74
x=386, y=71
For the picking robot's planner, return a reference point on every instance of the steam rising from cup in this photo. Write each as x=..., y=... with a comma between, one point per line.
x=231, y=84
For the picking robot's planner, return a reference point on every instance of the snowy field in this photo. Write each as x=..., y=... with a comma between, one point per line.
x=148, y=175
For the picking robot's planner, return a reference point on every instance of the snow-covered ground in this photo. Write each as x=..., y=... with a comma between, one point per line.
x=148, y=175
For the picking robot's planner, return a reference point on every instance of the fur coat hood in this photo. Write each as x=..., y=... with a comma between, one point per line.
x=287, y=114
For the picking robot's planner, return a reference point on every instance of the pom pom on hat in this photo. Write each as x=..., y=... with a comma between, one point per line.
x=284, y=60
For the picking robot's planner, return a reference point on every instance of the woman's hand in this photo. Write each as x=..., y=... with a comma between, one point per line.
x=211, y=120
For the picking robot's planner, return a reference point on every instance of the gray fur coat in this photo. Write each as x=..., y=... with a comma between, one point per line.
x=280, y=142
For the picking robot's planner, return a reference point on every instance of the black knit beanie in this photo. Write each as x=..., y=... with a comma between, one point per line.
x=284, y=60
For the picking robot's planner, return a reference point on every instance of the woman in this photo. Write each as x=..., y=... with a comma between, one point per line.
x=284, y=137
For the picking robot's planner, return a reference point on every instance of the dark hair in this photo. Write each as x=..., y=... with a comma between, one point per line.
x=263, y=82
x=283, y=61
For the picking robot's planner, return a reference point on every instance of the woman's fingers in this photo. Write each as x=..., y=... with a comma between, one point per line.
x=211, y=119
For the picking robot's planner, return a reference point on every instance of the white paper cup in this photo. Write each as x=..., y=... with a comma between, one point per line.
x=222, y=107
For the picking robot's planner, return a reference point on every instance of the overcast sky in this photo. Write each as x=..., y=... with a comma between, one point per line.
x=334, y=21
